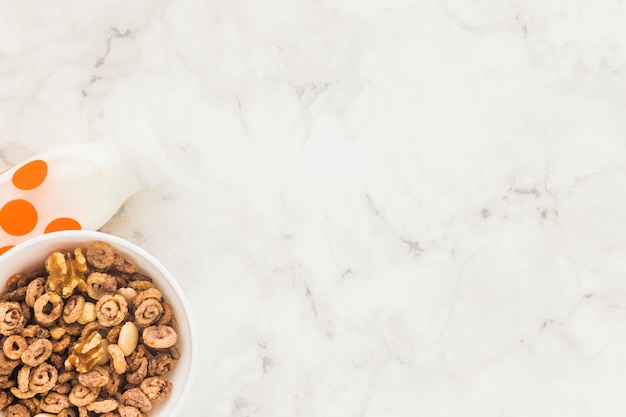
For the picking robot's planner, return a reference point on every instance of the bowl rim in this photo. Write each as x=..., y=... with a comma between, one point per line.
x=127, y=246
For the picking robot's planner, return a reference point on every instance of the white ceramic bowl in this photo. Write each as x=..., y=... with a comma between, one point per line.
x=32, y=253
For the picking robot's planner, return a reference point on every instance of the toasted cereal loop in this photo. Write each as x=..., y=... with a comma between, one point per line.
x=111, y=310
x=14, y=346
x=96, y=378
x=80, y=395
x=129, y=411
x=12, y=319
x=73, y=308
x=54, y=402
x=100, y=255
x=136, y=398
x=102, y=406
x=43, y=378
x=156, y=388
x=16, y=410
x=159, y=336
x=40, y=308
x=99, y=284
x=86, y=334
x=37, y=352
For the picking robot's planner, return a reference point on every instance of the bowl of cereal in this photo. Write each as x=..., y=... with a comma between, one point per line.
x=91, y=325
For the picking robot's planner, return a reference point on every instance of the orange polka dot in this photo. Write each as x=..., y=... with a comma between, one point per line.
x=62, y=223
x=18, y=217
x=5, y=248
x=30, y=175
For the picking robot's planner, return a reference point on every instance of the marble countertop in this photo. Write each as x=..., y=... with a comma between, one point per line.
x=379, y=208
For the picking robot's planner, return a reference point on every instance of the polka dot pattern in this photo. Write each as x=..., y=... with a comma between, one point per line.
x=30, y=175
x=62, y=223
x=19, y=217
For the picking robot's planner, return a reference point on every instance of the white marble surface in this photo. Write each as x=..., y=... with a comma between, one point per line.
x=380, y=207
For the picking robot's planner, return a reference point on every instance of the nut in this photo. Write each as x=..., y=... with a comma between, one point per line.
x=88, y=314
x=128, y=338
x=128, y=293
x=66, y=272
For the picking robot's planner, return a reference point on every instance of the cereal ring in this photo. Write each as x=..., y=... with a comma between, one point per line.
x=80, y=395
x=17, y=393
x=99, y=284
x=111, y=310
x=13, y=281
x=66, y=376
x=135, y=358
x=57, y=361
x=35, y=290
x=12, y=319
x=14, y=346
x=68, y=412
x=156, y=388
x=35, y=331
x=6, y=382
x=5, y=399
x=73, y=329
x=100, y=255
x=41, y=308
x=43, y=378
x=168, y=313
x=148, y=312
x=16, y=410
x=159, y=337
x=62, y=388
x=113, y=334
x=145, y=294
x=113, y=386
x=37, y=352
x=89, y=328
x=18, y=294
x=102, y=406
x=54, y=402
x=160, y=364
x=118, y=361
x=122, y=264
x=96, y=378
x=7, y=365
x=73, y=308
x=129, y=411
x=140, y=285
x=23, y=378
x=138, y=374
x=136, y=398
x=61, y=345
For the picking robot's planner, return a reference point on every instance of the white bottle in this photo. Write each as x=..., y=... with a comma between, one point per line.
x=77, y=186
